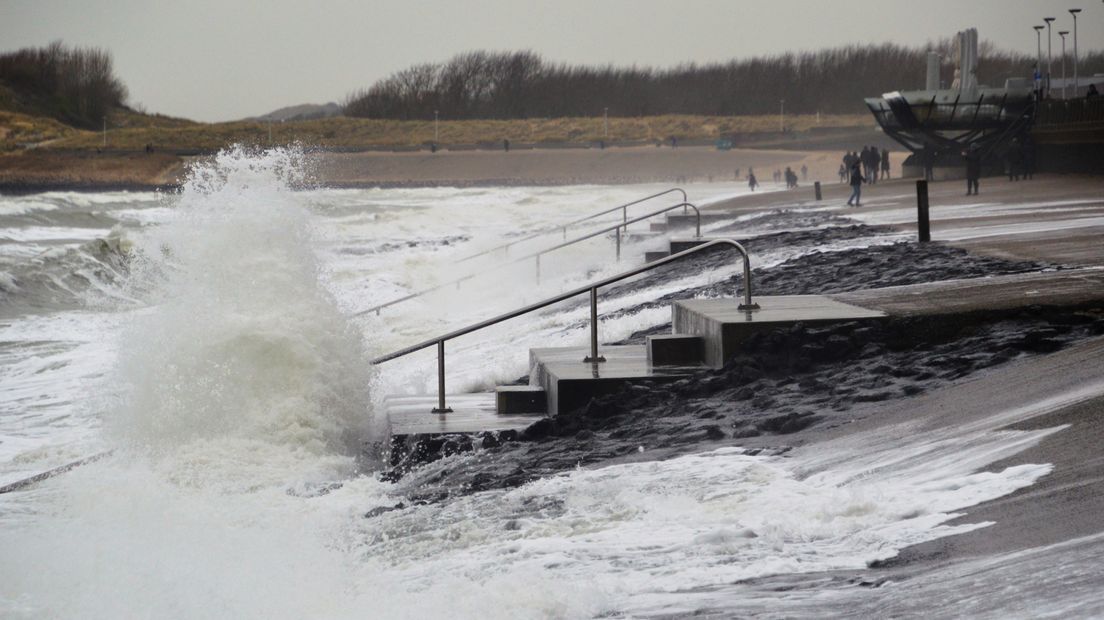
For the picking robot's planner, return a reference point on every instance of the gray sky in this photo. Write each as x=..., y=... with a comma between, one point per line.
x=216, y=60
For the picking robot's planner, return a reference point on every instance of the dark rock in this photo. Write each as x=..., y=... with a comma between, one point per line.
x=377, y=511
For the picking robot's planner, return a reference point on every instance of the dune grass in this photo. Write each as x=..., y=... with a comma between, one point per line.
x=19, y=130
x=359, y=133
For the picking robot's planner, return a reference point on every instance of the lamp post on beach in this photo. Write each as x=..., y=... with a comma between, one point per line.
x=1076, y=81
x=1039, y=58
x=1063, y=33
x=1050, y=61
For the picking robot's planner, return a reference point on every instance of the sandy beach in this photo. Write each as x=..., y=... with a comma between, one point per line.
x=44, y=170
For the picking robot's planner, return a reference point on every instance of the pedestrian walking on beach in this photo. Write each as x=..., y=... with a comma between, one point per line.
x=506, y=145
x=857, y=180
x=885, y=163
x=973, y=169
x=752, y=181
x=804, y=172
x=843, y=173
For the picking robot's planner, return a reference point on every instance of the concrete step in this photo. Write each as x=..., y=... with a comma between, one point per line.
x=677, y=219
x=636, y=236
x=570, y=382
x=681, y=245
x=723, y=325
x=471, y=413
x=658, y=226
x=650, y=257
x=511, y=399
x=675, y=350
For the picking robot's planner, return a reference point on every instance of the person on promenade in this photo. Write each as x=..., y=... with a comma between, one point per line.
x=875, y=161
x=752, y=181
x=1028, y=156
x=843, y=173
x=857, y=180
x=1013, y=159
x=927, y=159
x=973, y=169
x=1092, y=93
x=885, y=163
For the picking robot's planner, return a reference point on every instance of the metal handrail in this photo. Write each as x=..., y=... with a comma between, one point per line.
x=536, y=255
x=624, y=215
x=592, y=288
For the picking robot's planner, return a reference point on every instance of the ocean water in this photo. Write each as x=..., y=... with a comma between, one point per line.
x=214, y=343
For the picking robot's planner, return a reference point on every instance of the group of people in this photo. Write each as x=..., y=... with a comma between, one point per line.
x=873, y=164
x=778, y=176
x=866, y=166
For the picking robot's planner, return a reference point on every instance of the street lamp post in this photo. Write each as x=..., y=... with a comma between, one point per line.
x=1076, y=81
x=436, y=121
x=782, y=115
x=1063, y=33
x=1050, y=64
x=1039, y=58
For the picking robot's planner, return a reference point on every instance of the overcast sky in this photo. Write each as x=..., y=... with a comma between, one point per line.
x=217, y=60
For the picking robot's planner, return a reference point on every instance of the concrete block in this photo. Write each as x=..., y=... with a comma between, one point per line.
x=511, y=399
x=651, y=257
x=723, y=325
x=675, y=350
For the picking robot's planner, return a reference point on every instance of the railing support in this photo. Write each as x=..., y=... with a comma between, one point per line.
x=441, y=408
x=592, y=288
x=618, y=235
x=604, y=231
x=922, y=225
x=594, y=358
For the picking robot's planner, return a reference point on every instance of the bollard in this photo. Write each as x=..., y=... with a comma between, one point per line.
x=816, y=188
x=922, y=211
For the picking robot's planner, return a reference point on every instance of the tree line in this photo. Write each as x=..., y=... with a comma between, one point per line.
x=521, y=84
x=76, y=85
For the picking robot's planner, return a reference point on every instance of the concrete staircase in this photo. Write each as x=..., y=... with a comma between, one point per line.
x=705, y=333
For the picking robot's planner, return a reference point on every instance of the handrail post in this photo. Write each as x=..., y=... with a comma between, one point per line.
x=747, y=306
x=594, y=358
x=441, y=408
x=624, y=214
x=697, y=228
x=618, y=235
